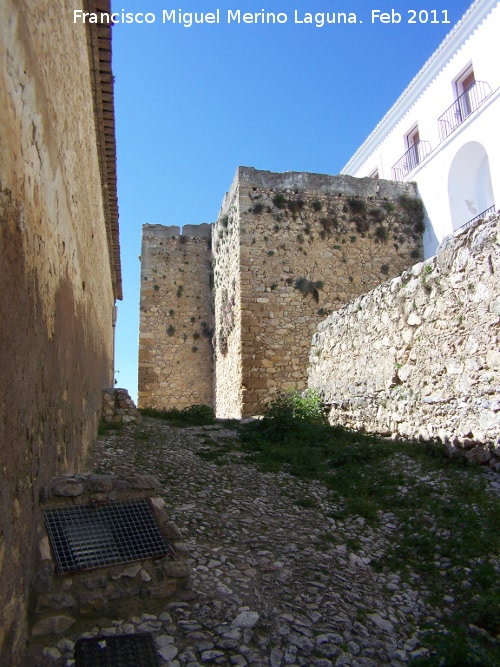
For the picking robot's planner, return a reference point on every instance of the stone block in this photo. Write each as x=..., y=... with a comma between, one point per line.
x=181, y=551
x=52, y=625
x=45, y=572
x=55, y=601
x=144, y=482
x=44, y=552
x=100, y=483
x=163, y=590
x=67, y=488
x=169, y=529
x=91, y=601
x=177, y=569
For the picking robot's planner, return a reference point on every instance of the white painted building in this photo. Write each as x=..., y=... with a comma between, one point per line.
x=444, y=130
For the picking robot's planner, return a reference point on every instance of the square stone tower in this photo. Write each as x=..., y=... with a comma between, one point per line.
x=176, y=318
x=228, y=310
x=288, y=249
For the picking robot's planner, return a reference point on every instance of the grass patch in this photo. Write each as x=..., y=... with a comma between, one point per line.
x=306, y=503
x=106, y=427
x=446, y=520
x=438, y=517
x=222, y=446
x=194, y=415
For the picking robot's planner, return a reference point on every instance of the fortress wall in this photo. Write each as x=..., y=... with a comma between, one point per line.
x=419, y=356
x=302, y=245
x=176, y=318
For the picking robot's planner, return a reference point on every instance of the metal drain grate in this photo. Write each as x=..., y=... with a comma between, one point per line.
x=89, y=536
x=117, y=651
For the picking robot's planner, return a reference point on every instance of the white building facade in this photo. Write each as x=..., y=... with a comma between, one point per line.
x=444, y=130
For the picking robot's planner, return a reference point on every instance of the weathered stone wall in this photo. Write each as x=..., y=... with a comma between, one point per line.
x=118, y=407
x=115, y=590
x=288, y=249
x=56, y=283
x=419, y=356
x=226, y=244
x=175, y=353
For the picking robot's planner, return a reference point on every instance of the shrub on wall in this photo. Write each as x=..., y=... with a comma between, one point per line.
x=305, y=286
x=415, y=213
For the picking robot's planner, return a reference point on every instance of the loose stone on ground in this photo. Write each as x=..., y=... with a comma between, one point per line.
x=273, y=583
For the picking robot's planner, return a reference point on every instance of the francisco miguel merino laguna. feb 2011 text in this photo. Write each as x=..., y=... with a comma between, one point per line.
x=237, y=16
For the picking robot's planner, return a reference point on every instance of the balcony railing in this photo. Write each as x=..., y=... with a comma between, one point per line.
x=481, y=216
x=470, y=100
x=413, y=156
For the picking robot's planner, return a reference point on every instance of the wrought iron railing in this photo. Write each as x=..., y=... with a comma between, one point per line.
x=470, y=100
x=480, y=216
x=413, y=156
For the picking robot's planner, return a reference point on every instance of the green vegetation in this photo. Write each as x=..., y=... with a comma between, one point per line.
x=194, y=415
x=106, y=427
x=444, y=540
x=415, y=213
x=257, y=209
x=388, y=206
x=295, y=205
x=357, y=205
x=381, y=233
x=447, y=533
x=279, y=200
x=306, y=286
x=206, y=331
x=329, y=224
x=377, y=214
x=362, y=224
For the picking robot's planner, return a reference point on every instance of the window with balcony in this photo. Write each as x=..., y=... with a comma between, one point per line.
x=412, y=142
x=470, y=94
x=417, y=150
x=464, y=87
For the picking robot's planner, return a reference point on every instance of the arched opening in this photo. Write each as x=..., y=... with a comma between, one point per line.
x=469, y=184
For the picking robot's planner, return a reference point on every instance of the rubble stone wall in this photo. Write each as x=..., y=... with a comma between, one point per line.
x=286, y=250
x=175, y=339
x=118, y=407
x=61, y=600
x=289, y=249
x=419, y=357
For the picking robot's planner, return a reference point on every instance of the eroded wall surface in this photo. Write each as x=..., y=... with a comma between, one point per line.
x=176, y=315
x=419, y=356
x=56, y=296
x=288, y=249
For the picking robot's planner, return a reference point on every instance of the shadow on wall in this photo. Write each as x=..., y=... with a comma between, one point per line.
x=470, y=190
x=429, y=238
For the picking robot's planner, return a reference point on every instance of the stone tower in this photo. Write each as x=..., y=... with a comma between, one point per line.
x=176, y=318
x=287, y=249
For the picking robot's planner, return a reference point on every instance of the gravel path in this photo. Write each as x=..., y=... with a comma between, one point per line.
x=276, y=580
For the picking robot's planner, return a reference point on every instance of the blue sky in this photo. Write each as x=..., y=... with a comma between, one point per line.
x=193, y=103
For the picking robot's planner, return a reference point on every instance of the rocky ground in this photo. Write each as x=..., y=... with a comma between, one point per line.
x=276, y=580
